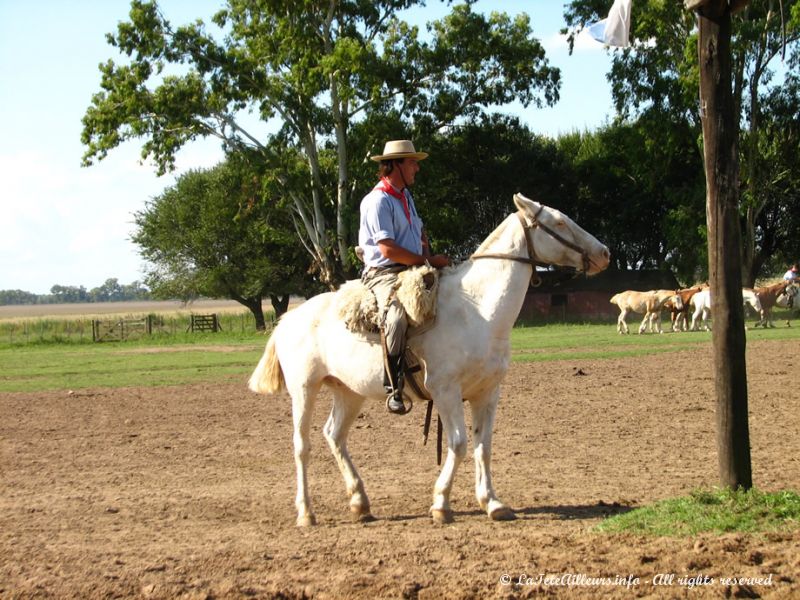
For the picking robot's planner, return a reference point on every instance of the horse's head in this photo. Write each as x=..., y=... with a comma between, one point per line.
x=676, y=300
x=751, y=298
x=558, y=240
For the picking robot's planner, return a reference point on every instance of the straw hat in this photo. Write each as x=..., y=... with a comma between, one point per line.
x=398, y=149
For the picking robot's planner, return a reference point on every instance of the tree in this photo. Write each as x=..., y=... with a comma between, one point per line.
x=11, y=297
x=135, y=291
x=659, y=73
x=110, y=291
x=645, y=205
x=69, y=293
x=212, y=235
x=467, y=185
x=777, y=225
x=320, y=68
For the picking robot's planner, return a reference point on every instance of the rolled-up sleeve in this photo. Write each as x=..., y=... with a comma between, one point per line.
x=378, y=219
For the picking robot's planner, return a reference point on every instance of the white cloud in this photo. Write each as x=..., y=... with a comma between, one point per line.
x=72, y=226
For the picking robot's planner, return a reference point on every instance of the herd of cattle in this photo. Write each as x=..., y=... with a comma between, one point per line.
x=697, y=301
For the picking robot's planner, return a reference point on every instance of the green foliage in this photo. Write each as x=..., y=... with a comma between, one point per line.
x=777, y=153
x=639, y=187
x=717, y=511
x=321, y=69
x=212, y=235
x=110, y=291
x=657, y=78
x=12, y=297
x=467, y=185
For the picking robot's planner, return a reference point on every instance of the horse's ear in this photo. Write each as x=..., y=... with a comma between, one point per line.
x=525, y=204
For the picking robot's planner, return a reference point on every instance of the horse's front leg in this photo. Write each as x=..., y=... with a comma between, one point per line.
x=484, y=409
x=645, y=321
x=346, y=406
x=451, y=411
x=622, y=324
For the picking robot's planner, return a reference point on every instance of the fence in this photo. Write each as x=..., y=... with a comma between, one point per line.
x=205, y=323
x=79, y=330
x=120, y=330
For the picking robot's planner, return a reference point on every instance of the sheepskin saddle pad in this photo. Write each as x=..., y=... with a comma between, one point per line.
x=416, y=291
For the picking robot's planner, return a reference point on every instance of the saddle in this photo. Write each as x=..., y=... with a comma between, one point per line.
x=417, y=290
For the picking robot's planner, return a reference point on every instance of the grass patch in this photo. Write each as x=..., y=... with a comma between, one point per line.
x=179, y=358
x=49, y=367
x=717, y=511
x=594, y=341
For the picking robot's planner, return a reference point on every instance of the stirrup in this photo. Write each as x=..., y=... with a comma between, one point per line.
x=406, y=407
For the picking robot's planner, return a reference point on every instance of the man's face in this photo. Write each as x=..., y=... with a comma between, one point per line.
x=409, y=167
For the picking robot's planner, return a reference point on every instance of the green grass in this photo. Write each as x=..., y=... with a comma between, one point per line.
x=230, y=355
x=78, y=330
x=717, y=511
x=72, y=366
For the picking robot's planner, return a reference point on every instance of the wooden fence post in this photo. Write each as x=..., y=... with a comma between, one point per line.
x=720, y=137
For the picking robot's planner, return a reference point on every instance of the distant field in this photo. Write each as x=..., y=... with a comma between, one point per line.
x=88, y=309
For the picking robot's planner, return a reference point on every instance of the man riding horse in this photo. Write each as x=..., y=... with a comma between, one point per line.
x=392, y=239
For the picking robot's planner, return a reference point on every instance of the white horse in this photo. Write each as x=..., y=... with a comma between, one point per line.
x=701, y=302
x=464, y=355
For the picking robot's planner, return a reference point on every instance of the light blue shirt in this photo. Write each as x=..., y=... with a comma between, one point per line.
x=383, y=218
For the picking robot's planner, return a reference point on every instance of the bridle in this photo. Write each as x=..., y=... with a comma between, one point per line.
x=530, y=259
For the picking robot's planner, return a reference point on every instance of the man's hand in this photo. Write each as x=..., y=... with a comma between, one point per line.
x=400, y=255
x=438, y=261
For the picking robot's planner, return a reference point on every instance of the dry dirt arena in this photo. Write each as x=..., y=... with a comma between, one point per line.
x=188, y=492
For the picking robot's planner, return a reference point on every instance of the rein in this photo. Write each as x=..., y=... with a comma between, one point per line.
x=530, y=259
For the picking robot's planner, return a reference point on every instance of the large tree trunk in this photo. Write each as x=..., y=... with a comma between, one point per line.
x=254, y=306
x=720, y=132
x=280, y=304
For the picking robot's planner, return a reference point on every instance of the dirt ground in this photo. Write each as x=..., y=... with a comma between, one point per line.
x=188, y=492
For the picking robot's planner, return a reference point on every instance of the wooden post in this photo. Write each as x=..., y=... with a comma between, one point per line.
x=720, y=134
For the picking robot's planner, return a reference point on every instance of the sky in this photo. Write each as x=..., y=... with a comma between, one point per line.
x=64, y=224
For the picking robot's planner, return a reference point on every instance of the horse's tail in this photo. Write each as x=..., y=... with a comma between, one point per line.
x=268, y=376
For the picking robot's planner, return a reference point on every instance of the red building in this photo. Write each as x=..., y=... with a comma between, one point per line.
x=560, y=298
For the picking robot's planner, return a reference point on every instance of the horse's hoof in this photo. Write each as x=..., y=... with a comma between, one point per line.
x=442, y=517
x=362, y=517
x=306, y=521
x=503, y=513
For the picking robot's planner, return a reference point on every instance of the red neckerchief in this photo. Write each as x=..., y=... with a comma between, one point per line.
x=387, y=187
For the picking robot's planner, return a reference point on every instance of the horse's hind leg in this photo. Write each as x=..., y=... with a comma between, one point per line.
x=303, y=399
x=483, y=412
x=346, y=406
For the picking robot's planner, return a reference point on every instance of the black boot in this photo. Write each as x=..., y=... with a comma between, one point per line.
x=393, y=379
